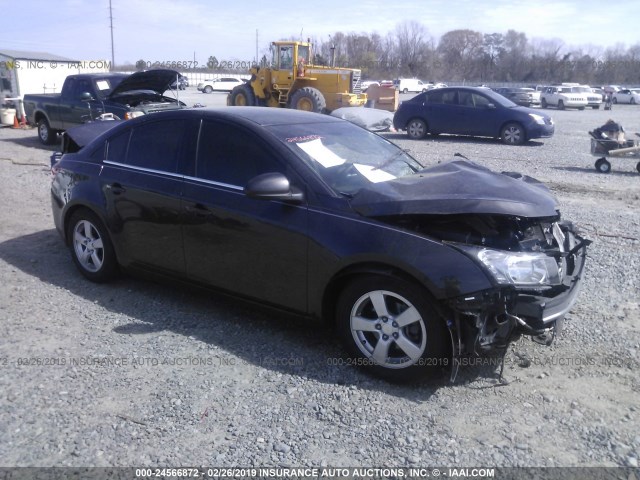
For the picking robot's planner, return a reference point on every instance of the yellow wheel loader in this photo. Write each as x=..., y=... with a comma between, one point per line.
x=292, y=82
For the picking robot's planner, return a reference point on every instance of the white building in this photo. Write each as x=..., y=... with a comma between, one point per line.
x=39, y=72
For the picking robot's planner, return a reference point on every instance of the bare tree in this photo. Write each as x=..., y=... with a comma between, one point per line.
x=461, y=53
x=414, y=46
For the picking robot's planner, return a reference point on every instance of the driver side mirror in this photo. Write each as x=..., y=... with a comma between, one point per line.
x=86, y=97
x=273, y=186
x=490, y=105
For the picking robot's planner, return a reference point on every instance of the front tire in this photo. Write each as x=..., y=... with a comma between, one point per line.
x=308, y=99
x=91, y=247
x=543, y=103
x=207, y=89
x=513, y=134
x=242, y=96
x=46, y=134
x=389, y=326
x=560, y=105
x=615, y=101
x=416, y=128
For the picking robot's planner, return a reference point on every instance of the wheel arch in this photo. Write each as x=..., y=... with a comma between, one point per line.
x=71, y=209
x=341, y=278
x=39, y=115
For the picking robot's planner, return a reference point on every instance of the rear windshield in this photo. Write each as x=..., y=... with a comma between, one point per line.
x=104, y=86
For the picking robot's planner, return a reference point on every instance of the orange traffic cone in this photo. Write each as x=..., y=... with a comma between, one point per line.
x=15, y=122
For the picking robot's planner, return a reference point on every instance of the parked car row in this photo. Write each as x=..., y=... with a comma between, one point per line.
x=403, y=85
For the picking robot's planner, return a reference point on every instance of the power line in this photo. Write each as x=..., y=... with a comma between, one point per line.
x=113, y=56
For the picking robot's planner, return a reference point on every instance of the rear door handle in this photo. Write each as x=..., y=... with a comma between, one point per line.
x=199, y=210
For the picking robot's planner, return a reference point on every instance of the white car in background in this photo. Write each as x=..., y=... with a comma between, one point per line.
x=222, y=84
x=627, y=96
x=594, y=100
x=406, y=85
x=562, y=96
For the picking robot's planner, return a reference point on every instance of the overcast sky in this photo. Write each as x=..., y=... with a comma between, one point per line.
x=175, y=30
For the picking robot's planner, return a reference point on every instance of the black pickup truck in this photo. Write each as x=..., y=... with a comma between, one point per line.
x=86, y=97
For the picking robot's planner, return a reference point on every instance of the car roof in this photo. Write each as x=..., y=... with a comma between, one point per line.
x=267, y=116
x=242, y=115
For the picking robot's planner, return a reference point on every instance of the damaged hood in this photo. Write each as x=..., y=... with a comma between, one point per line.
x=156, y=80
x=457, y=187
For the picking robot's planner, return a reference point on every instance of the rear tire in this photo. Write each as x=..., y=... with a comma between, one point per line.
x=46, y=134
x=242, y=96
x=390, y=327
x=632, y=101
x=308, y=99
x=91, y=247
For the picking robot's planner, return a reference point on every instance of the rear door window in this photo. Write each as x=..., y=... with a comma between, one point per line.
x=156, y=145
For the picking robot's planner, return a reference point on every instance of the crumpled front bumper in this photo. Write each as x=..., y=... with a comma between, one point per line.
x=488, y=320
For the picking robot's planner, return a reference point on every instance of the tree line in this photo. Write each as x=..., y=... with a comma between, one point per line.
x=473, y=57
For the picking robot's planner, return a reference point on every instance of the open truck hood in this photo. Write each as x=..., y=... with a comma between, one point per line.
x=457, y=187
x=158, y=81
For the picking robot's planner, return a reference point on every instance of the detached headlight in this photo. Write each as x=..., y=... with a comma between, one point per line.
x=539, y=119
x=519, y=268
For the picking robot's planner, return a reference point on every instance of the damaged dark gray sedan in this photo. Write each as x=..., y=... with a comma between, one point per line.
x=415, y=266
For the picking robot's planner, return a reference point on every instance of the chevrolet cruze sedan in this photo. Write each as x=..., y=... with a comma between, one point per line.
x=415, y=267
x=475, y=111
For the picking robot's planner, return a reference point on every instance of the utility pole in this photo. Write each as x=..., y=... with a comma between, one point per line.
x=257, y=59
x=113, y=57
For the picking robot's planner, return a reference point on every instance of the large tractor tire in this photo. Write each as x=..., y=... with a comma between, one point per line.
x=309, y=99
x=242, y=96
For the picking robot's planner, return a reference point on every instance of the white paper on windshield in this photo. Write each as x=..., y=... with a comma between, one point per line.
x=102, y=85
x=321, y=154
x=373, y=174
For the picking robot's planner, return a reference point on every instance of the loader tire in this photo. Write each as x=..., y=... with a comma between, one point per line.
x=242, y=96
x=309, y=99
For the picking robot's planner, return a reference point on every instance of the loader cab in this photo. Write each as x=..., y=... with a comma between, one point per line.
x=290, y=55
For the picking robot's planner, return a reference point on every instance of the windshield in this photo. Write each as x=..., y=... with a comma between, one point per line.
x=345, y=156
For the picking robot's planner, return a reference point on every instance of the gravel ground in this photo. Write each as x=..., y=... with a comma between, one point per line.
x=142, y=374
